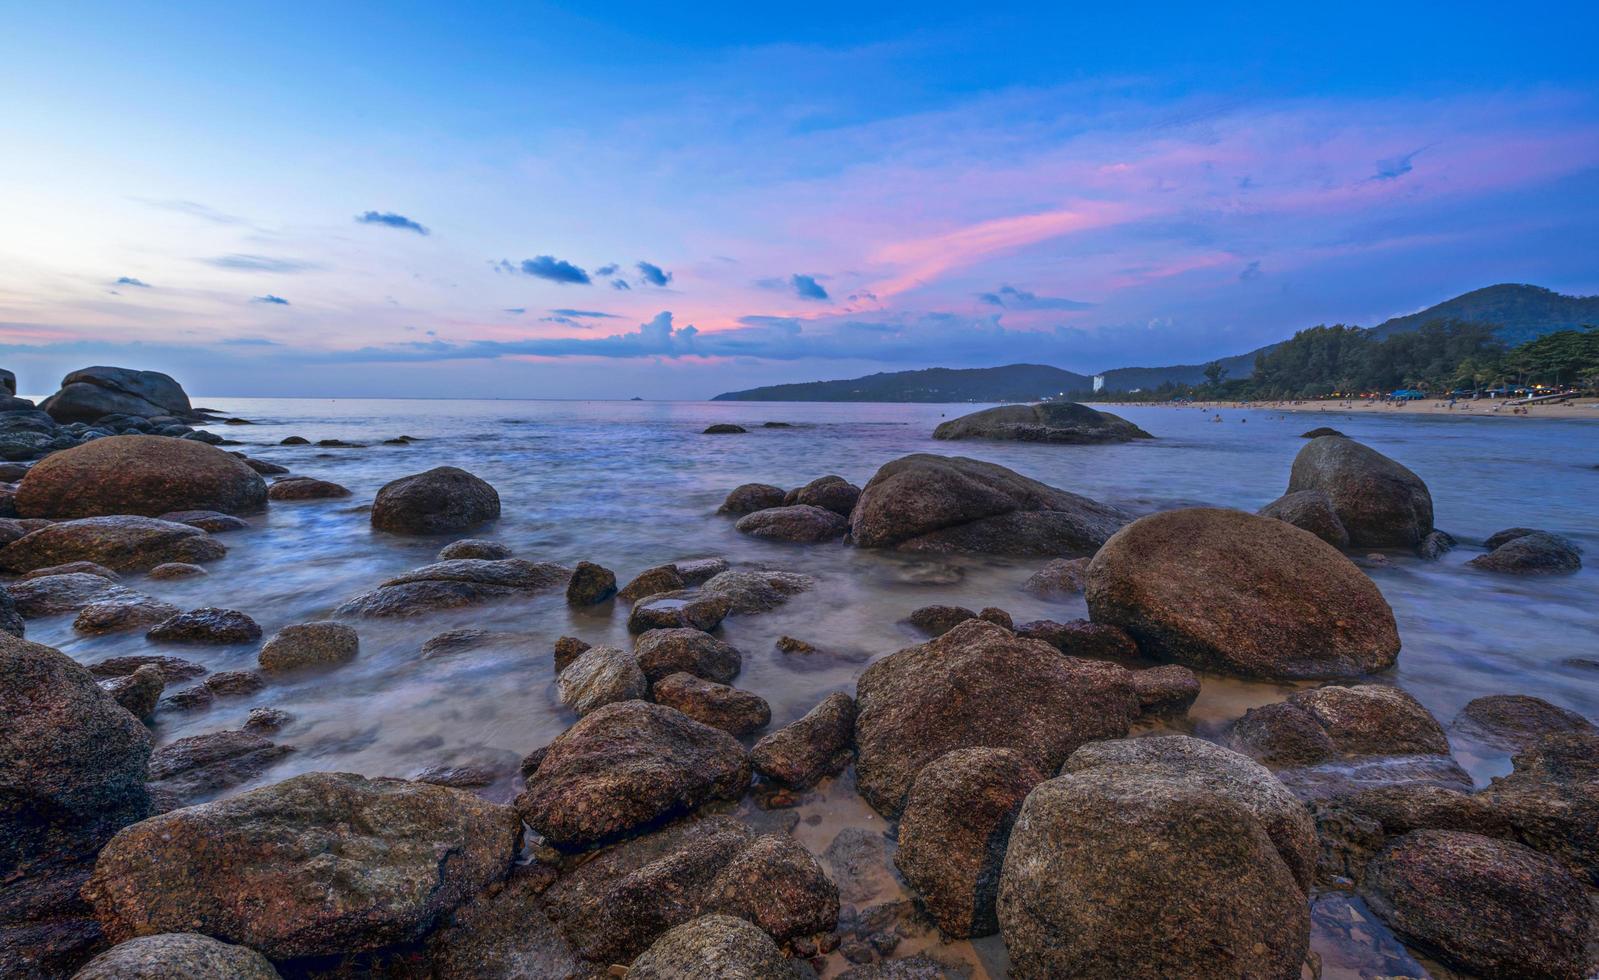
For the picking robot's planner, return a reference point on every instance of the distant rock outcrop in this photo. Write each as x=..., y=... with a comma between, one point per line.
x=1061, y=422
x=92, y=392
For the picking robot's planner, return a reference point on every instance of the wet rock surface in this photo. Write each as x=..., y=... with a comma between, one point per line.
x=309, y=645
x=317, y=864
x=799, y=523
x=210, y=521
x=143, y=475
x=668, y=651
x=831, y=492
x=627, y=766
x=51, y=595
x=123, y=612
x=1380, y=503
x=590, y=585
x=474, y=548
x=1058, y=422
x=1532, y=553
x=714, y=946
x=200, y=766
x=979, y=685
x=1060, y=577
x=717, y=705
x=1491, y=907
x=953, y=504
x=139, y=691
x=701, y=610
x=1310, y=510
x=122, y=544
x=600, y=676
x=815, y=746
x=954, y=831
x=208, y=626
x=1516, y=721
x=455, y=584
x=178, y=956
x=305, y=488
x=1551, y=799
x=748, y=498
x=440, y=501
x=1230, y=592
x=757, y=590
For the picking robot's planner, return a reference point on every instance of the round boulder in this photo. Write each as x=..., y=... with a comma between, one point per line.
x=143, y=475
x=318, y=864
x=830, y=492
x=801, y=523
x=1230, y=592
x=1490, y=907
x=178, y=956
x=714, y=946
x=1066, y=423
x=601, y=676
x=305, y=488
x=440, y=501
x=1379, y=502
x=747, y=498
x=309, y=645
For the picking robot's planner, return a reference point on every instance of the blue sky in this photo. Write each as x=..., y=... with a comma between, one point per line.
x=560, y=201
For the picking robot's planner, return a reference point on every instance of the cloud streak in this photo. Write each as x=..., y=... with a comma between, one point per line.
x=260, y=263
x=389, y=219
x=653, y=274
x=1012, y=298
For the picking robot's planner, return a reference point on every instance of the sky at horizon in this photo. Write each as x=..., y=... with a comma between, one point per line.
x=561, y=200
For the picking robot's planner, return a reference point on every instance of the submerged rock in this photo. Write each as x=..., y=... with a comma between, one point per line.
x=979, y=685
x=1226, y=591
x=938, y=620
x=1516, y=721
x=123, y=612
x=757, y=590
x=123, y=544
x=309, y=645
x=175, y=570
x=178, y=956
x=954, y=831
x=1058, y=422
x=1532, y=553
x=143, y=475
x=319, y=864
x=800, y=523
x=74, y=764
x=953, y=504
x=442, y=500
x=305, y=488
x=1379, y=502
x=454, y=584
x=474, y=548
x=1551, y=799
x=724, y=429
x=51, y=595
x=670, y=610
x=717, y=946
x=747, y=498
x=1144, y=870
x=627, y=766
x=802, y=753
x=470, y=638
x=664, y=652
x=209, y=626
x=1490, y=907
x=709, y=703
x=652, y=581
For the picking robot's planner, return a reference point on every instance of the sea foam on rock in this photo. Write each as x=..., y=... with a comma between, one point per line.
x=1234, y=593
x=933, y=503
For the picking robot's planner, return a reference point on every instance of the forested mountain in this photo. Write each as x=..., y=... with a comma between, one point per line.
x=1011, y=383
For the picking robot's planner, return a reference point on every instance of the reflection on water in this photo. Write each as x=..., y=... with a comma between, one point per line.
x=634, y=484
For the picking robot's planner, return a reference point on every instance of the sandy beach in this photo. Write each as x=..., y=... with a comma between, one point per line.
x=1579, y=408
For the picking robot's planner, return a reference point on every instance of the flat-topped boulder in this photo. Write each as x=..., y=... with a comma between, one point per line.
x=454, y=584
x=1379, y=502
x=980, y=685
x=92, y=392
x=1059, y=422
x=137, y=474
x=938, y=504
x=1230, y=592
x=627, y=766
x=441, y=501
x=123, y=544
x=315, y=865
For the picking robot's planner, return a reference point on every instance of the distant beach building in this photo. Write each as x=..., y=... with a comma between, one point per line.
x=1099, y=382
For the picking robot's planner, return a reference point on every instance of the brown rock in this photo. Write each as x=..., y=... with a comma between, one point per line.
x=178, y=956
x=591, y=584
x=600, y=676
x=1516, y=721
x=440, y=501
x=662, y=653
x=121, y=543
x=1309, y=510
x=800, y=523
x=748, y=498
x=802, y=753
x=1379, y=502
x=671, y=610
x=309, y=645
x=1060, y=577
x=1167, y=690
x=144, y=475
x=305, y=488
x=717, y=705
x=210, y=625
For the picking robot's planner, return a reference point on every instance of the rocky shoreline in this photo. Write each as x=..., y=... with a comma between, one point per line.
x=1013, y=763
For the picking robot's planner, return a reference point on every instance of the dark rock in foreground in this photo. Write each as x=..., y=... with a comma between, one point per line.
x=1230, y=592
x=952, y=504
x=319, y=864
x=714, y=946
x=1490, y=907
x=627, y=766
x=120, y=543
x=178, y=956
x=442, y=500
x=980, y=685
x=1058, y=422
x=208, y=626
x=1379, y=502
x=143, y=475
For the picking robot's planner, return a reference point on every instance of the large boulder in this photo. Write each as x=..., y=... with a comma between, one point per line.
x=627, y=766
x=1310, y=510
x=1379, y=502
x=614, y=906
x=1490, y=907
x=953, y=504
x=1058, y=422
x=74, y=763
x=92, y=392
x=1147, y=871
x=120, y=543
x=441, y=501
x=318, y=864
x=145, y=475
x=1230, y=592
x=980, y=685
x=178, y=956
x=954, y=831
x=453, y=584
x=831, y=492
x=714, y=947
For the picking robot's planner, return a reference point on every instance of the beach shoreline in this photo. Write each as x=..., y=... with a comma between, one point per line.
x=1580, y=408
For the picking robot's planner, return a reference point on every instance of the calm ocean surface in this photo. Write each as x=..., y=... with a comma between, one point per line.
x=635, y=484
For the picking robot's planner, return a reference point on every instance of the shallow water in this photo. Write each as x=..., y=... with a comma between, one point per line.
x=634, y=484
